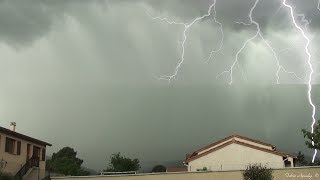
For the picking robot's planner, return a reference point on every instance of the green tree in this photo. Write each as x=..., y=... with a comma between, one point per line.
x=315, y=137
x=65, y=161
x=257, y=172
x=301, y=161
x=119, y=163
x=159, y=168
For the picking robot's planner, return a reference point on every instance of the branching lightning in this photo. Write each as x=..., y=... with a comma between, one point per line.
x=258, y=33
x=187, y=26
x=213, y=52
x=311, y=69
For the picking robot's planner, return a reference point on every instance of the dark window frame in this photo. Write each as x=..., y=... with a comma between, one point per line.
x=10, y=145
x=18, y=147
x=43, y=155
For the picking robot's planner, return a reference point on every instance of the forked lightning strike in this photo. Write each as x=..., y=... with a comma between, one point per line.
x=310, y=66
x=185, y=37
x=213, y=52
x=258, y=33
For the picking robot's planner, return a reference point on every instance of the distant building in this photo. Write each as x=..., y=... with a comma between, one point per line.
x=22, y=155
x=236, y=152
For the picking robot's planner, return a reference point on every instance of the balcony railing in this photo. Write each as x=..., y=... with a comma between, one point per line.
x=32, y=162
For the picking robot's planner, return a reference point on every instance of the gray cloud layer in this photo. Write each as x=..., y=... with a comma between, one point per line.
x=84, y=73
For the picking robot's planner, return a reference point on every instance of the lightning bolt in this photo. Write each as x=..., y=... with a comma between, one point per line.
x=311, y=70
x=213, y=52
x=257, y=34
x=187, y=26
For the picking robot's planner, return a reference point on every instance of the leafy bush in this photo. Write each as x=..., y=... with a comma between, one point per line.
x=121, y=163
x=159, y=168
x=257, y=172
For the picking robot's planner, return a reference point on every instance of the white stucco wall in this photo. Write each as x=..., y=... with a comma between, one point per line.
x=237, y=139
x=235, y=157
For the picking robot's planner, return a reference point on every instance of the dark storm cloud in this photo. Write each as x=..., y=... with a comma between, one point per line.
x=88, y=69
x=23, y=22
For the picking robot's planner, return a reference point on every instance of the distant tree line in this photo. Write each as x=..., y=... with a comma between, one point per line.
x=66, y=162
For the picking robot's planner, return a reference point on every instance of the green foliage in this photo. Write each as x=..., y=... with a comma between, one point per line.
x=119, y=163
x=159, y=168
x=257, y=172
x=65, y=161
x=315, y=137
x=301, y=161
x=203, y=169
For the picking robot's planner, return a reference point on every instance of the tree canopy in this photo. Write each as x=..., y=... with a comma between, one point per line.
x=159, y=168
x=301, y=161
x=65, y=161
x=119, y=163
x=315, y=137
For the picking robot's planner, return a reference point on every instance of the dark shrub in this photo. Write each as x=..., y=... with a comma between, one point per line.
x=159, y=168
x=257, y=172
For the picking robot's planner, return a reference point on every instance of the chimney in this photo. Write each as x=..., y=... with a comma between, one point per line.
x=13, y=126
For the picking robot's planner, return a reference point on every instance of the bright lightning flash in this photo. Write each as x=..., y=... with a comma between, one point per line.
x=187, y=26
x=258, y=33
x=311, y=69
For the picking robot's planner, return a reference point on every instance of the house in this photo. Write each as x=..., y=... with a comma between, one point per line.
x=22, y=156
x=236, y=152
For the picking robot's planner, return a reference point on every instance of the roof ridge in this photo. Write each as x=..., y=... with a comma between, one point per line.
x=232, y=136
x=22, y=136
x=240, y=143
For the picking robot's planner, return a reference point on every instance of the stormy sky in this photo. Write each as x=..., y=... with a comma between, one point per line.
x=85, y=74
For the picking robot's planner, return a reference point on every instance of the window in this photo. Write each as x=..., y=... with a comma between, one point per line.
x=18, y=147
x=43, y=154
x=36, y=152
x=10, y=145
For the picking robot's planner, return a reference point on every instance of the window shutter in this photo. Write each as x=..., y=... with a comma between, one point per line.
x=18, y=147
x=43, y=154
x=7, y=145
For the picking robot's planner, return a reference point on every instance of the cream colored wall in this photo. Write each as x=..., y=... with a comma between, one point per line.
x=15, y=162
x=237, y=139
x=235, y=157
x=279, y=174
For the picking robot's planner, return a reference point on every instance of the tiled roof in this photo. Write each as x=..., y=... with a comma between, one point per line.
x=195, y=154
x=22, y=136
